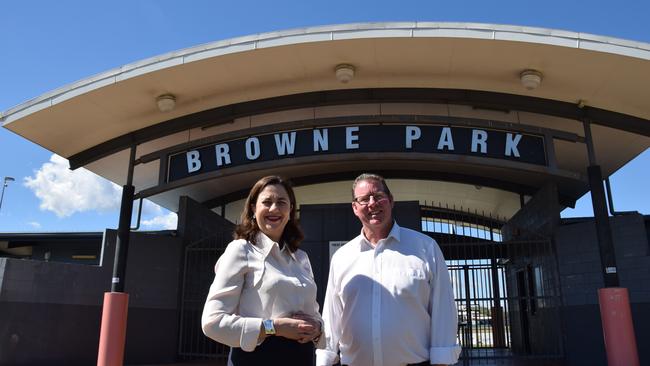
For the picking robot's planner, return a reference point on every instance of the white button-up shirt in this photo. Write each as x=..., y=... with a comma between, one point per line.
x=389, y=305
x=256, y=282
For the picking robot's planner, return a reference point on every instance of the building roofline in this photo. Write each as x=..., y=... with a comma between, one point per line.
x=495, y=32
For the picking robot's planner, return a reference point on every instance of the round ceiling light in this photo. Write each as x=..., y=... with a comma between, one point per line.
x=344, y=73
x=531, y=79
x=166, y=102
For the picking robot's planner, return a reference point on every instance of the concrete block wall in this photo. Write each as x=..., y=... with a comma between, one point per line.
x=633, y=255
x=579, y=263
x=581, y=277
x=41, y=307
x=579, y=259
x=50, y=313
x=196, y=222
x=537, y=219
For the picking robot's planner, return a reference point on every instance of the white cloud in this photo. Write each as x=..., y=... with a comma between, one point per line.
x=149, y=208
x=66, y=192
x=34, y=224
x=168, y=222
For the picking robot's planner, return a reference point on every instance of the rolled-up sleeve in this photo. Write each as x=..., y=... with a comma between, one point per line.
x=444, y=317
x=219, y=320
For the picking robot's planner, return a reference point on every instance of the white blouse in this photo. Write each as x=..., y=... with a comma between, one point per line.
x=256, y=282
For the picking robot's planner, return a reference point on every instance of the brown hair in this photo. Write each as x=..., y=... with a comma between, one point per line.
x=248, y=228
x=371, y=176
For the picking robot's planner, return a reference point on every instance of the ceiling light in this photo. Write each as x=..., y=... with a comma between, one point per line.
x=166, y=102
x=344, y=73
x=530, y=79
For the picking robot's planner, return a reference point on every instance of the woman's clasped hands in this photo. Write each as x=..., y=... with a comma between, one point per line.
x=300, y=327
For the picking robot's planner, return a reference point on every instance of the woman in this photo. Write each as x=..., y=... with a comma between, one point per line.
x=262, y=302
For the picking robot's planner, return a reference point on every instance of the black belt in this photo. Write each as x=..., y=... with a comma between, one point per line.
x=423, y=363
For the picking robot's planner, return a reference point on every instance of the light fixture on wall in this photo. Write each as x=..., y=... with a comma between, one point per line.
x=166, y=102
x=344, y=73
x=531, y=79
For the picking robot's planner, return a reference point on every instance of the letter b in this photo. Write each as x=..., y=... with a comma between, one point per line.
x=193, y=161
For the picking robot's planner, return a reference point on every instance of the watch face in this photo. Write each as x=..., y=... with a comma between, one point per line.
x=268, y=326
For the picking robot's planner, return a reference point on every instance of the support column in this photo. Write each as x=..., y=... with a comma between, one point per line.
x=114, y=313
x=618, y=328
x=603, y=227
x=615, y=313
x=123, y=236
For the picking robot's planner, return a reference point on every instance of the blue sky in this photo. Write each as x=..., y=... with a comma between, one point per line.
x=48, y=44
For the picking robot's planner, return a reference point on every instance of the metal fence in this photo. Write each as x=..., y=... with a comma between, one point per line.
x=507, y=292
x=198, y=273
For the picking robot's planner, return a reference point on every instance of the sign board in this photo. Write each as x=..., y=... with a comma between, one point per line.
x=481, y=142
x=334, y=246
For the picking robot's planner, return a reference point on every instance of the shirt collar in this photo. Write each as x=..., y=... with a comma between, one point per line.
x=266, y=245
x=393, y=233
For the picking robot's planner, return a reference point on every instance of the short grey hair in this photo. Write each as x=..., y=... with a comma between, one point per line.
x=371, y=176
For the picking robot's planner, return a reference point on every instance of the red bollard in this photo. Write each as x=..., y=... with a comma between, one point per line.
x=618, y=329
x=113, y=331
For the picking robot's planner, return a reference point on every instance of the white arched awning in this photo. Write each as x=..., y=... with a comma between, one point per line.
x=464, y=65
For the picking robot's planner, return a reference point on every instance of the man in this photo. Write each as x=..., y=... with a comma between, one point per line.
x=389, y=300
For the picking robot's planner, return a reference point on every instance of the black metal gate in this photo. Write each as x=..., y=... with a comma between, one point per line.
x=198, y=273
x=507, y=292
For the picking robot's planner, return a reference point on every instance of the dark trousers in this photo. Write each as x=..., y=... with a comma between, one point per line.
x=275, y=351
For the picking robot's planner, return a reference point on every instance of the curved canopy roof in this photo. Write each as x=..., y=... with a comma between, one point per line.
x=600, y=78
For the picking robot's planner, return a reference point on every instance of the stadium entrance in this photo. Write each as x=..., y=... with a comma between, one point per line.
x=483, y=159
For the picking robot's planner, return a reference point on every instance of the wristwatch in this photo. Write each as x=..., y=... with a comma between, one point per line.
x=269, y=329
